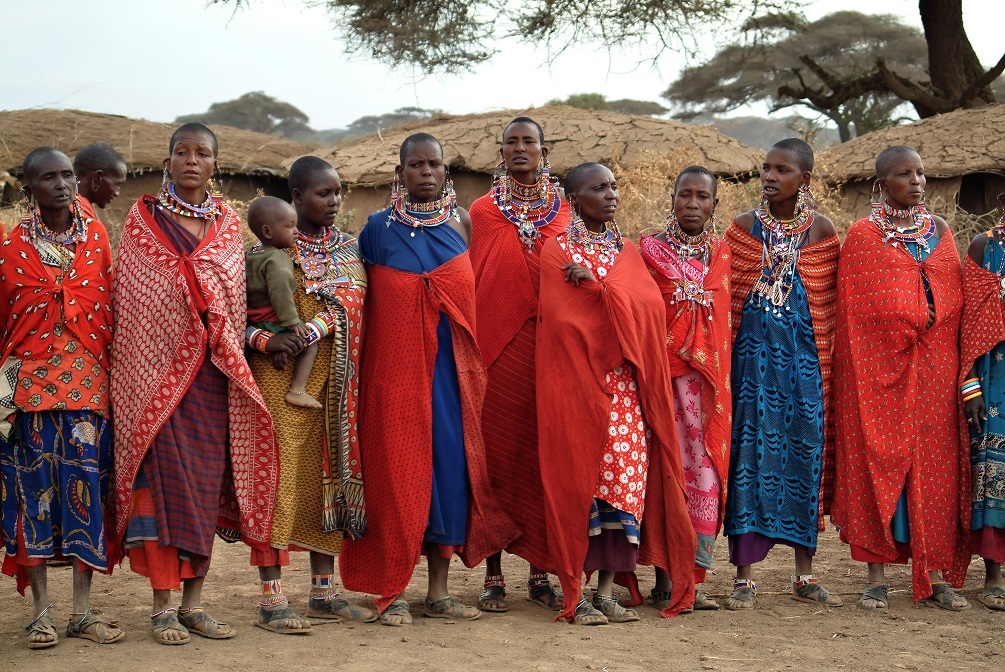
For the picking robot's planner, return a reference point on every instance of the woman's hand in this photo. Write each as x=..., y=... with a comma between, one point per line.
x=976, y=413
x=283, y=347
x=576, y=274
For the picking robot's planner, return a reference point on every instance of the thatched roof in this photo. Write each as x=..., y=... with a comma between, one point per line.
x=471, y=143
x=953, y=144
x=142, y=143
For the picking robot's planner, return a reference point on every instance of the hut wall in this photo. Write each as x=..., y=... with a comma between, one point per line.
x=979, y=192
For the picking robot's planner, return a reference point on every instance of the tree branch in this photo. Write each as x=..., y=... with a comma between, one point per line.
x=991, y=75
x=912, y=92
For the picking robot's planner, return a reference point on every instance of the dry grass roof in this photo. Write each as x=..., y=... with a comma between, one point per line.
x=953, y=144
x=142, y=143
x=471, y=142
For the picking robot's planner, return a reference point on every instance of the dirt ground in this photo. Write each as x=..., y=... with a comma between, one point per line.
x=779, y=634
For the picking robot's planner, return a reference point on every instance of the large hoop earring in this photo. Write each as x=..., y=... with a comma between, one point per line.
x=876, y=193
x=543, y=177
x=216, y=184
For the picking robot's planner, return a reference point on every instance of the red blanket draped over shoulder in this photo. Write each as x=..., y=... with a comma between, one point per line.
x=817, y=266
x=898, y=404
x=696, y=342
x=396, y=425
x=507, y=283
x=82, y=296
x=983, y=323
x=583, y=333
x=160, y=343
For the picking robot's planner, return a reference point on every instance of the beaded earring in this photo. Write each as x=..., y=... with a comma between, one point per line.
x=805, y=201
x=216, y=184
x=448, y=191
x=166, y=178
x=398, y=191
x=544, y=175
x=876, y=193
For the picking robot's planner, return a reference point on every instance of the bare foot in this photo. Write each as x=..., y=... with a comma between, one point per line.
x=302, y=399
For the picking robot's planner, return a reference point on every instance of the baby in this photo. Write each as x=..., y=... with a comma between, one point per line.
x=272, y=285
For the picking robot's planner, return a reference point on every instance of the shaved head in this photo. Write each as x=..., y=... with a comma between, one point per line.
x=888, y=158
x=267, y=210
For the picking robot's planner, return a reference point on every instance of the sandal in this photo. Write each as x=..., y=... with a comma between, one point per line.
x=102, y=631
x=42, y=625
x=660, y=598
x=943, y=595
x=744, y=591
x=542, y=593
x=398, y=608
x=335, y=609
x=166, y=620
x=493, y=598
x=993, y=598
x=810, y=590
x=614, y=612
x=198, y=621
x=586, y=614
x=703, y=602
x=878, y=593
x=448, y=607
x=272, y=619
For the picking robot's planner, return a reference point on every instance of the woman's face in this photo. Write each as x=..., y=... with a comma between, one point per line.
x=781, y=176
x=596, y=199
x=192, y=161
x=905, y=181
x=52, y=182
x=694, y=202
x=423, y=172
x=320, y=201
x=522, y=150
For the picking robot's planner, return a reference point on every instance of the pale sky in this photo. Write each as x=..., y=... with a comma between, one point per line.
x=157, y=59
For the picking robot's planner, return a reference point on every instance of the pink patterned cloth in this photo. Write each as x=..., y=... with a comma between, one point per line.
x=699, y=473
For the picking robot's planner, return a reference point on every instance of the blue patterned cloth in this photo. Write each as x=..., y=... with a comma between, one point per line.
x=54, y=473
x=388, y=242
x=987, y=453
x=778, y=421
x=603, y=516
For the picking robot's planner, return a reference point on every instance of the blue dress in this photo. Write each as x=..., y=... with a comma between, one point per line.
x=987, y=453
x=778, y=426
x=387, y=242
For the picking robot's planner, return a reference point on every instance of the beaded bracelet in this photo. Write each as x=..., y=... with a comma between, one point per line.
x=970, y=382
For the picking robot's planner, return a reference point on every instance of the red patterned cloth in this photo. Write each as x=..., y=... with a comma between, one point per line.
x=86, y=207
x=818, y=269
x=34, y=294
x=698, y=338
x=507, y=281
x=396, y=426
x=583, y=333
x=161, y=300
x=897, y=404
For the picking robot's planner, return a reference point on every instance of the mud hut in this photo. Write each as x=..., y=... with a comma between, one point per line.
x=249, y=161
x=963, y=151
x=471, y=144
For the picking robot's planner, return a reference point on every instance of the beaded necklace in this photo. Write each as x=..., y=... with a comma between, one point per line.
x=424, y=215
x=920, y=231
x=74, y=234
x=170, y=201
x=315, y=258
x=691, y=247
x=606, y=241
x=527, y=206
x=782, y=240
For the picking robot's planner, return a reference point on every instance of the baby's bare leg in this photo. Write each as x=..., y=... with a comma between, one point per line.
x=301, y=372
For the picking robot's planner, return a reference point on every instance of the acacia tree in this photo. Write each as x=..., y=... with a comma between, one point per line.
x=456, y=35
x=255, y=111
x=598, y=101
x=788, y=61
